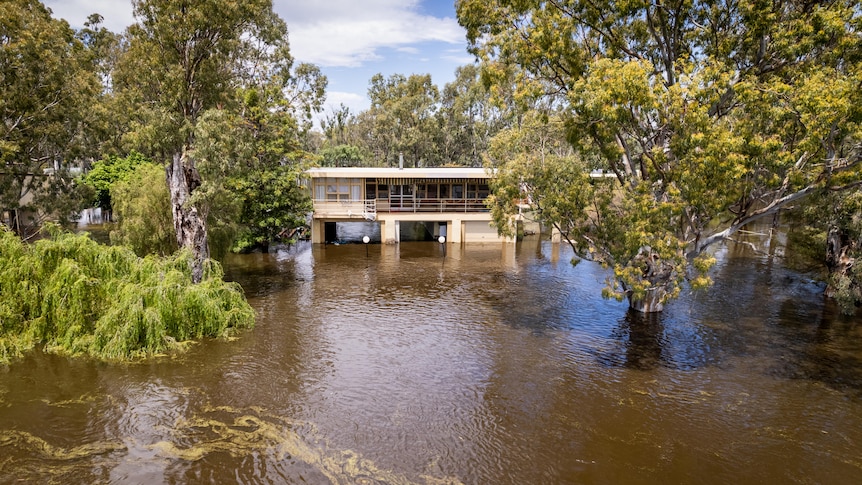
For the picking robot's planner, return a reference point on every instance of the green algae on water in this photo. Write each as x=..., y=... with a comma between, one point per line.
x=75, y=296
x=246, y=431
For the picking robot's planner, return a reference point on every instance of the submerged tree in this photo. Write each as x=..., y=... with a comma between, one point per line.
x=75, y=296
x=834, y=220
x=844, y=251
x=708, y=116
x=195, y=55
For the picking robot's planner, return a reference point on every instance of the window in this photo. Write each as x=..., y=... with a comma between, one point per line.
x=457, y=191
x=338, y=189
x=471, y=191
x=331, y=191
x=405, y=190
x=477, y=191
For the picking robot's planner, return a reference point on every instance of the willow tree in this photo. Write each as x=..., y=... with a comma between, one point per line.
x=709, y=116
x=183, y=58
x=74, y=296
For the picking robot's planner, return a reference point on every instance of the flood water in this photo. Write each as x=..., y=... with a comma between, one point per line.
x=480, y=366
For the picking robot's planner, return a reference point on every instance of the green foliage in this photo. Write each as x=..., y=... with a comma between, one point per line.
x=143, y=211
x=709, y=118
x=47, y=82
x=411, y=116
x=228, y=60
x=402, y=116
x=256, y=161
x=274, y=203
x=342, y=156
x=338, y=126
x=107, y=172
x=77, y=297
x=467, y=119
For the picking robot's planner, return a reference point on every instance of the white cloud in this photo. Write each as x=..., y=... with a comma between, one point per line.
x=349, y=39
x=348, y=33
x=117, y=13
x=329, y=33
x=355, y=102
x=458, y=56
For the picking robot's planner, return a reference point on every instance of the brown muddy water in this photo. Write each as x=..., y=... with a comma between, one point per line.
x=485, y=366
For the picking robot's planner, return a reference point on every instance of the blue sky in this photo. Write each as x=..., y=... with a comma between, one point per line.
x=351, y=40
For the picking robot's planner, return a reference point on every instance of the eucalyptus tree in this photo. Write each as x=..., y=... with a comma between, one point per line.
x=225, y=59
x=337, y=124
x=402, y=113
x=108, y=117
x=305, y=92
x=710, y=116
x=256, y=154
x=183, y=59
x=467, y=117
x=344, y=145
x=47, y=82
x=834, y=219
x=342, y=156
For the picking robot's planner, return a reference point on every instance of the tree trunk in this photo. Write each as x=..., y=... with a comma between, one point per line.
x=658, y=274
x=651, y=302
x=840, y=263
x=189, y=221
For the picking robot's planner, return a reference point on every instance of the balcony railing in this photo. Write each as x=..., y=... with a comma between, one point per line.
x=368, y=209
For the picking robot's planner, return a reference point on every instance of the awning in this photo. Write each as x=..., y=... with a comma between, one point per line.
x=410, y=181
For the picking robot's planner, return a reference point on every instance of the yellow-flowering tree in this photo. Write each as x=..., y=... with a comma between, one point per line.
x=709, y=115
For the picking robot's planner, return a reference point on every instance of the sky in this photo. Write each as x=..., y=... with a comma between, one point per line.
x=350, y=40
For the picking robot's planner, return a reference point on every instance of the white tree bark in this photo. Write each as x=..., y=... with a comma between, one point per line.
x=189, y=220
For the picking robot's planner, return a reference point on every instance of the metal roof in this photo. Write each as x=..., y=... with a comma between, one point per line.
x=401, y=173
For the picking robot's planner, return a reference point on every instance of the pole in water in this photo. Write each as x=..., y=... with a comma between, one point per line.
x=366, y=240
x=442, y=241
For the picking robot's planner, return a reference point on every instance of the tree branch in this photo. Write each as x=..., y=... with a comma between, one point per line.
x=770, y=209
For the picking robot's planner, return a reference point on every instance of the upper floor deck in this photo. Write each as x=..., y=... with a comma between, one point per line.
x=359, y=191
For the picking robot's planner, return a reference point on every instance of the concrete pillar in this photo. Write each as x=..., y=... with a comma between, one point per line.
x=509, y=254
x=317, y=231
x=389, y=231
x=556, y=237
x=455, y=231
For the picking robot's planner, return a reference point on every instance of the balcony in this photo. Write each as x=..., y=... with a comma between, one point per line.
x=368, y=209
